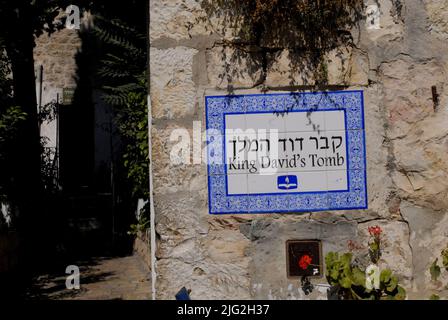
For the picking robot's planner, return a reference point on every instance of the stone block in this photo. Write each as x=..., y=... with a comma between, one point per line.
x=172, y=88
x=437, y=11
x=177, y=19
x=340, y=67
x=233, y=68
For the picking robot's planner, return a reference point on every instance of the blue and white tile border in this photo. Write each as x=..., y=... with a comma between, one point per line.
x=352, y=102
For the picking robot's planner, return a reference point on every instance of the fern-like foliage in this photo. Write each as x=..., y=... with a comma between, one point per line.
x=123, y=73
x=123, y=67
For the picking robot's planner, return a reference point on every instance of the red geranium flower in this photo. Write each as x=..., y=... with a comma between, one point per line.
x=305, y=261
x=375, y=231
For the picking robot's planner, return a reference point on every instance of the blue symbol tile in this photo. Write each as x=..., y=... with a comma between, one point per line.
x=287, y=182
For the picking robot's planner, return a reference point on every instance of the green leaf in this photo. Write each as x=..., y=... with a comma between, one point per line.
x=434, y=297
x=401, y=293
x=345, y=282
x=346, y=259
x=385, y=275
x=445, y=259
x=434, y=270
x=393, y=283
x=358, y=277
x=374, y=246
x=330, y=258
x=334, y=274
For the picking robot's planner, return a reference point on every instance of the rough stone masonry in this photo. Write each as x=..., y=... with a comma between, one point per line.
x=401, y=67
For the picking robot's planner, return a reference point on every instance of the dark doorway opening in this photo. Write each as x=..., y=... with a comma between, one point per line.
x=100, y=160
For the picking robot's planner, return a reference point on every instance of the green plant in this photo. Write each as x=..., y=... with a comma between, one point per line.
x=10, y=114
x=445, y=259
x=132, y=123
x=140, y=226
x=340, y=273
x=389, y=288
x=375, y=243
x=434, y=297
x=123, y=75
x=9, y=120
x=349, y=280
x=123, y=68
x=435, y=270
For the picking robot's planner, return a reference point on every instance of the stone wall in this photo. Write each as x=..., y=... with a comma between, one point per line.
x=142, y=247
x=64, y=60
x=243, y=256
x=56, y=53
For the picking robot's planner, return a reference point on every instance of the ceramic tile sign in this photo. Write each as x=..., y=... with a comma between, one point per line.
x=286, y=152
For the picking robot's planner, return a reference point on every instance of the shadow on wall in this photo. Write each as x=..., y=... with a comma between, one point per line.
x=302, y=32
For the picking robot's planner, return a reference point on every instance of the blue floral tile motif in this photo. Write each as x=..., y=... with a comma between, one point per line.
x=308, y=202
x=356, y=149
x=352, y=102
x=356, y=198
x=215, y=154
x=267, y=204
x=217, y=107
x=219, y=202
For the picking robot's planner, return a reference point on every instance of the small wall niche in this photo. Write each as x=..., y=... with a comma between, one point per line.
x=304, y=258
